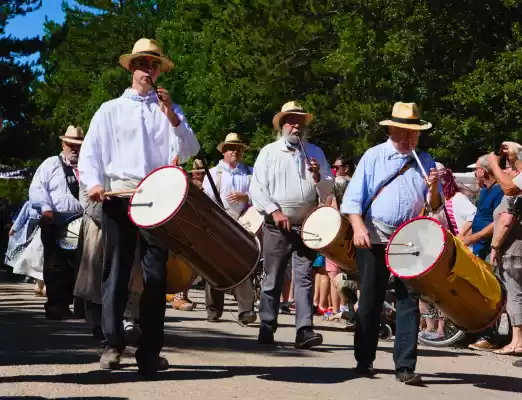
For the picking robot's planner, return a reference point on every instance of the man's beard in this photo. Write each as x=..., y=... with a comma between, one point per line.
x=293, y=137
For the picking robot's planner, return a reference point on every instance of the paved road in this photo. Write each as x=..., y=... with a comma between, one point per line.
x=42, y=359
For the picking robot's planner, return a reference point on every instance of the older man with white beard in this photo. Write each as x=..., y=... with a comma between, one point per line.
x=54, y=193
x=285, y=189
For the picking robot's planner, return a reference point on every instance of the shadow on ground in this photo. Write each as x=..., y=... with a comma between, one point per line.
x=294, y=374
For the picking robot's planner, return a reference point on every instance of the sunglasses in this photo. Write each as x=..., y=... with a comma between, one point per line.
x=338, y=166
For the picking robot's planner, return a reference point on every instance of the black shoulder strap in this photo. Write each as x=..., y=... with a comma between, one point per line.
x=70, y=178
x=390, y=180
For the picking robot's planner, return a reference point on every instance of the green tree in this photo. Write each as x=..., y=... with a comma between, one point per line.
x=16, y=80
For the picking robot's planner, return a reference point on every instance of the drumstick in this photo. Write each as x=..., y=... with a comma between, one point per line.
x=154, y=87
x=120, y=192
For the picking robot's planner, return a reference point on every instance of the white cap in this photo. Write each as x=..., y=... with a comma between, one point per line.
x=472, y=166
x=439, y=166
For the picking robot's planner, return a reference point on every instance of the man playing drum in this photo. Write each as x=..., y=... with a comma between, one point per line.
x=128, y=138
x=402, y=199
x=285, y=188
x=54, y=193
x=232, y=179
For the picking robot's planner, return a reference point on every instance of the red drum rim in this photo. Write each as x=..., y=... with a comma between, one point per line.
x=169, y=217
x=444, y=235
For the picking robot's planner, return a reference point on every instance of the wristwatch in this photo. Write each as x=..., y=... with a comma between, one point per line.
x=495, y=247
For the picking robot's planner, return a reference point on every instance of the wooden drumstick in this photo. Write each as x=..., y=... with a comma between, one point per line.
x=121, y=192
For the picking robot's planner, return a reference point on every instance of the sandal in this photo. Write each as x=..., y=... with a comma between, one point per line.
x=509, y=351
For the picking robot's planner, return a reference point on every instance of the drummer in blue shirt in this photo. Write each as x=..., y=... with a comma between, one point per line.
x=402, y=199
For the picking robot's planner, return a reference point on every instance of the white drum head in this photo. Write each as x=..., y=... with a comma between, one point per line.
x=161, y=194
x=415, y=247
x=69, y=236
x=252, y=220
x=321, y=227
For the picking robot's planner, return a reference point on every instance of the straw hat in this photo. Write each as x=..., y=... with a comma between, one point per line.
x=407, y=116
x=73, y=135
x=197, y=166
x=232, y=138
x=290, y=108
x=146, y=48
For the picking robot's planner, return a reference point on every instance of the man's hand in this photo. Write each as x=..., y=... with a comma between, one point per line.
x=314, y=168
x=11, y=232
x=494, y=258
x=361, y=238
x=97, y=194
x=237, y=196
x=469, y=240
x=175, y=161
x=281, y=220
x=493, y=159
x=433, y=179
x=166, y=106
x=508, y=152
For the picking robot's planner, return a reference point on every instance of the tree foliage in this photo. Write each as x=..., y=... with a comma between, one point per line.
x=347, y=61
x=16, y=80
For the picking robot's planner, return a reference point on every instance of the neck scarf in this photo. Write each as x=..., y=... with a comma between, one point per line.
x=132, y=94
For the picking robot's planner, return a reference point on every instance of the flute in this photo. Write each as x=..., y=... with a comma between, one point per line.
x=154, y=87
x=304, y=151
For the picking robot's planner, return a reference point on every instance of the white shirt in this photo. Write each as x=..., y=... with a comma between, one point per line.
x=463, y=209
x=232, y=180
x=279, y=183
x=128, y=138
x=49, y=190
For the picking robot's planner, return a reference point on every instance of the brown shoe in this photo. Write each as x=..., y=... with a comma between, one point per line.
x=183, y=304
x=483, y=345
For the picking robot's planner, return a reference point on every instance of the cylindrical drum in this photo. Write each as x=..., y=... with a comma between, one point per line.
x=190, y=223
x=180, y=275
x=252, y=221
x=329, y=233
x=443, y=270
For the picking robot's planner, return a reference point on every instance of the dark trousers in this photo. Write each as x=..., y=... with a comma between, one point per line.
x=58, y=268
x=215, y=299
x=278, y=247
x=120, y=237
x=93, y=313
x=374, y=282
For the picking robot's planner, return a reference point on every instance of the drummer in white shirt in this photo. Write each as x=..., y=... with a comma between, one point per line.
x=232, y=179
x=285, y=188
x=128, y=138
x=54, y=193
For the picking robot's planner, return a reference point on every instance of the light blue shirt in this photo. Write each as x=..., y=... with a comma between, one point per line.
x=401, y=200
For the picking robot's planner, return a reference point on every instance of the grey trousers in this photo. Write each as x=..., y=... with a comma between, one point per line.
x=215, y=299
x=278, y=247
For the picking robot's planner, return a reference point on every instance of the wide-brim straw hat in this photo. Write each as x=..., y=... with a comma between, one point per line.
x=146, y=48
x=291, y=107
x=73, y=135
x=231, y=139
x=197, y=166
x=407, y=116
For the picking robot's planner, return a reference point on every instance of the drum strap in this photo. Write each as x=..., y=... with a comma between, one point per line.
x=219, y=176
x=390, y=180
x=70, y=178
x=349, y=247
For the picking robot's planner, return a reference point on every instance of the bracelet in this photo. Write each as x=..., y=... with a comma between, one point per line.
x=495, y=247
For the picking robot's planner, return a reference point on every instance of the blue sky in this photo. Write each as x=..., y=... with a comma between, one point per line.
x=31, y=24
